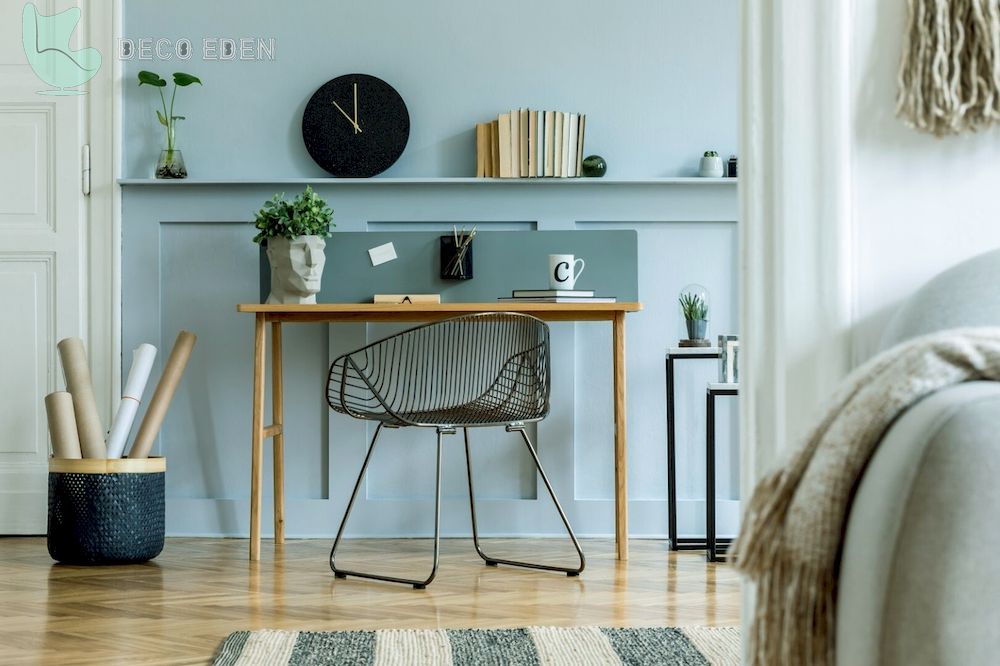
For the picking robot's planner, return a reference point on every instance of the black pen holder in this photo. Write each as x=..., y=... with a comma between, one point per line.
x=456, y=264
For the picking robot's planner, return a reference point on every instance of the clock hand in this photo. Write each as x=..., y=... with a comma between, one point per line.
x=356, y=127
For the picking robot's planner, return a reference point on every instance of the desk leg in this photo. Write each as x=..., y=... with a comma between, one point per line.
x=671, y=459
x=257, y=450
x=621, y=462
x=278, y=441
x=710, y=477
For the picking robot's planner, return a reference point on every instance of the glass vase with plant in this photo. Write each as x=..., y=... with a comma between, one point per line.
x=293, y=234
x=694, y=308
x=171, y=162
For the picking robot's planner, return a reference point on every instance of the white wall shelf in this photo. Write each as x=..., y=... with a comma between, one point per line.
x=503, y=182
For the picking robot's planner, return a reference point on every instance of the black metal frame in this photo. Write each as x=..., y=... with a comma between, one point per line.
x=678, y=543
x=713, y=546
x=481, y=370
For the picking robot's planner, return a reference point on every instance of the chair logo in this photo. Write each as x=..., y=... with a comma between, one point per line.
x=46, y=45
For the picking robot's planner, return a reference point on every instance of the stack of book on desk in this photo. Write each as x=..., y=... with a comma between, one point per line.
x=555, y=296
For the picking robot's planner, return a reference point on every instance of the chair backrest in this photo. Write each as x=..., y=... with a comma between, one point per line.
x=493, y=363
x=965, y=295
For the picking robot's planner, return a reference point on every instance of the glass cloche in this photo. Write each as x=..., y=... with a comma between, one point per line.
x=693, y=305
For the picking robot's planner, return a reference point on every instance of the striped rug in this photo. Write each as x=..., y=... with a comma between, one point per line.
x=532, y=646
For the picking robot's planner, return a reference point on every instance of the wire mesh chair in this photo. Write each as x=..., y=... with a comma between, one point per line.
x=473, y=371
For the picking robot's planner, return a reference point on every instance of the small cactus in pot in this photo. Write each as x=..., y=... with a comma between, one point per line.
x=711, y=165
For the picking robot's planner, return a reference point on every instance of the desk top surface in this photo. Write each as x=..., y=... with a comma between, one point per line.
x=457, y=308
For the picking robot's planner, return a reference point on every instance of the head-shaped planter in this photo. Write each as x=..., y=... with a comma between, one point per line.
x=296, y=268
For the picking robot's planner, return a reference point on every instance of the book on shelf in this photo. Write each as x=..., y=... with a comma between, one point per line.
x=523, y=150
x=550, y=136
x=503, y=144
x=495, y=147
x=546, y=293
x=532, y=144
x=559, y=299
x=540, y=145
x=574, y=129
x=515, y=143
x=482, y=149
x=560, y=121
x=528, y=143
x=564, y=172
x=579, y=144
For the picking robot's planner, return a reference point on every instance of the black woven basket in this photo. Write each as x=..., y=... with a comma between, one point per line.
x=106, y=511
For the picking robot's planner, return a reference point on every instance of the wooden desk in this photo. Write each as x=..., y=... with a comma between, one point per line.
x=276, y=315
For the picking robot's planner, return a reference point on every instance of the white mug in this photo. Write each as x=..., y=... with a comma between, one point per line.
x=563, y=271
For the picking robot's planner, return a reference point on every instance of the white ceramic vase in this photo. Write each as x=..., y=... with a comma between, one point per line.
x=711, y=167
x=296, y=268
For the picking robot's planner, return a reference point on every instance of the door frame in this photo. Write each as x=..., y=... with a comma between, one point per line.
x=798, y=304
x=797, y=273
x=103, y=131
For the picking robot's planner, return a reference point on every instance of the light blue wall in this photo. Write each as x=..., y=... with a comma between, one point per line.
x=656, y=78
x=658, y=81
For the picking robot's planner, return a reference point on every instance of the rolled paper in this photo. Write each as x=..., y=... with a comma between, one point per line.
x=80, y=386
x=157, y=410
x=142, y=364
x=62, y=425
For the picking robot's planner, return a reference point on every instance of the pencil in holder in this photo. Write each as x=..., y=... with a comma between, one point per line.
x=456, y=258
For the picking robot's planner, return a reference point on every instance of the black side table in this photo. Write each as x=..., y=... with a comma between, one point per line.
x=673, y=355
x=713, y=546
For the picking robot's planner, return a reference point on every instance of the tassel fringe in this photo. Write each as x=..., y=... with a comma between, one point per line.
x=949, y=75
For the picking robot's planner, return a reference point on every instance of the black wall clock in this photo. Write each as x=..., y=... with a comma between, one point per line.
x=355, y=126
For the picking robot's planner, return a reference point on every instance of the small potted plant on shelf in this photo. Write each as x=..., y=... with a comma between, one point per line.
x=171, y=162
x=694, y=309
x=711, y=165
x=293, y=234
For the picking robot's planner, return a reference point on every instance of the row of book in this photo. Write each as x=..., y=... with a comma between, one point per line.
x=525, y=143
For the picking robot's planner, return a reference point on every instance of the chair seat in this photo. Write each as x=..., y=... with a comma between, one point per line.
x=478, y=413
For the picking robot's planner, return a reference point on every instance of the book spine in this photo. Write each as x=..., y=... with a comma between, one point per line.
x=495, y=149
x=579, y=145
x=533, y=144
x=503, y=133
x=550, y=130
x=565, y=146
x=515, y=143
x=560, y=121
x=481, y=149
x=523, y=120
x=574, y=135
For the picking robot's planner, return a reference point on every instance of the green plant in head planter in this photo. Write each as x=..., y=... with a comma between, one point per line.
x=293, y=233
x=711, y=153
x=171, y=163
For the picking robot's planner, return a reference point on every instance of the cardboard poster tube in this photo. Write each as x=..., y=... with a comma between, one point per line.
x=142, y=364
x=157, y=410
x=80, y=386
x=62, y=425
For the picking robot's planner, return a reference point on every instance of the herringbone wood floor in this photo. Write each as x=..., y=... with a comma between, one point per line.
x=176, y=609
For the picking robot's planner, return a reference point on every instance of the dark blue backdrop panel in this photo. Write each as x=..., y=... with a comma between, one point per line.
x=503, y=261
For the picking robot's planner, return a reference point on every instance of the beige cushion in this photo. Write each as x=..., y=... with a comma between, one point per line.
x=918, y=579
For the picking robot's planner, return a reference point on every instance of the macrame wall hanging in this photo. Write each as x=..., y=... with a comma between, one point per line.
x=949, y=77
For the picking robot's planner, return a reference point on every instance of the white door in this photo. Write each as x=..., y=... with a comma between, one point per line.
x=43, y=246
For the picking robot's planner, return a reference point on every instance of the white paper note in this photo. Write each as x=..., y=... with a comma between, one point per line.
x=142, y=364
x=382, y=253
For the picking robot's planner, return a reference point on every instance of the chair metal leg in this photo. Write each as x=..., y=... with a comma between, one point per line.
x=417, y=584
x=494, y=561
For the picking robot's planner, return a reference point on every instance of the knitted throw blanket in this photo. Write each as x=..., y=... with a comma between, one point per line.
x=794, y=524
